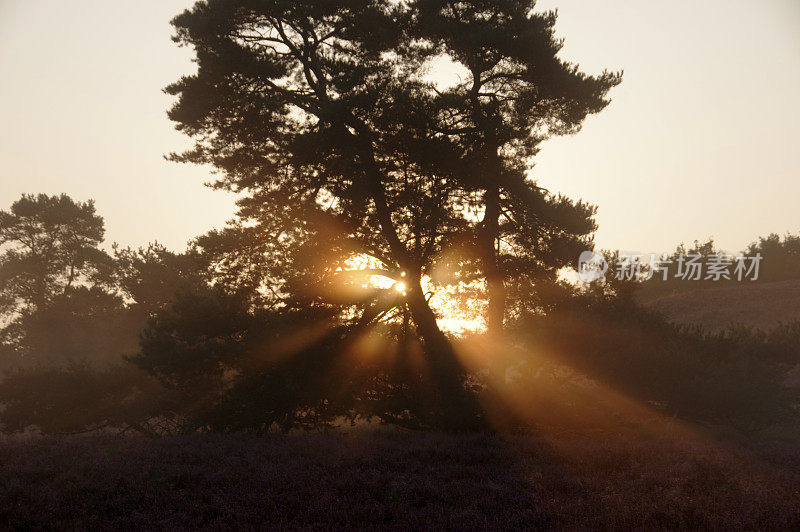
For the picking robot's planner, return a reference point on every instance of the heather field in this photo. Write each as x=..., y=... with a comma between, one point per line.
x=396, y=481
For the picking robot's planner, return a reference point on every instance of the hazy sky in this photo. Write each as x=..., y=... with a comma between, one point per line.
x=702, y=138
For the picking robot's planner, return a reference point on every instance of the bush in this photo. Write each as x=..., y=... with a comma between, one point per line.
x=80, y=398
x=733, y=377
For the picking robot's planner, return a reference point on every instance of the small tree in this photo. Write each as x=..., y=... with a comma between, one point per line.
x=52, y=271
x=50, y=246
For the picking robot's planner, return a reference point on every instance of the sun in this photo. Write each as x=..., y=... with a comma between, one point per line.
x=451, y=316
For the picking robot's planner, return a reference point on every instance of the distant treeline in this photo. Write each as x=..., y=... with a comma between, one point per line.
x=778, y=259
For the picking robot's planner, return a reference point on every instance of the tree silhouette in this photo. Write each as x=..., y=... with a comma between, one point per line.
x=151, y=277
x=53, y=276
x=780, y=257
x=517, y=93
x=321, y=114
x=50, y=247
x=311, y=109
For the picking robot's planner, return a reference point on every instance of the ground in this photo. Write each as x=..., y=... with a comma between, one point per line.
x=397, y=480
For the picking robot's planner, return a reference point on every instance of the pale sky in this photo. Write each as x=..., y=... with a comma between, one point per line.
x=701, y=138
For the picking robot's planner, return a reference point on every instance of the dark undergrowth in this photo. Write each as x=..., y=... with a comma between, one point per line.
x=395, y=480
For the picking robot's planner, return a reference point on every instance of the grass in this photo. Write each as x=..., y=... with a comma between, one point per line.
x=396, y=480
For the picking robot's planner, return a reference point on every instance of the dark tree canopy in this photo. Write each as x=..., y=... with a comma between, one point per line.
x=320, y=113
x=50, y=246
x=299, y=104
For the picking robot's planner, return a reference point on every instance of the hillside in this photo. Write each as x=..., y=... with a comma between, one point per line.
x=761, y=305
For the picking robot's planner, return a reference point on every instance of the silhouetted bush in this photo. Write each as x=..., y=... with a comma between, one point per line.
x=80, y=397
x=733, y=377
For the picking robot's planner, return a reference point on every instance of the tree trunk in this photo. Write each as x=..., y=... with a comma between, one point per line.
x=490, y=225
x=490, y=262
x=454, y=407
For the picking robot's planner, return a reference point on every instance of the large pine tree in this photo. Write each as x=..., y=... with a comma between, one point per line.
x=314, y=110
x=321, y=115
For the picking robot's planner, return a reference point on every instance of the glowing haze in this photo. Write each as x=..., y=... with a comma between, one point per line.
x=700, y=140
